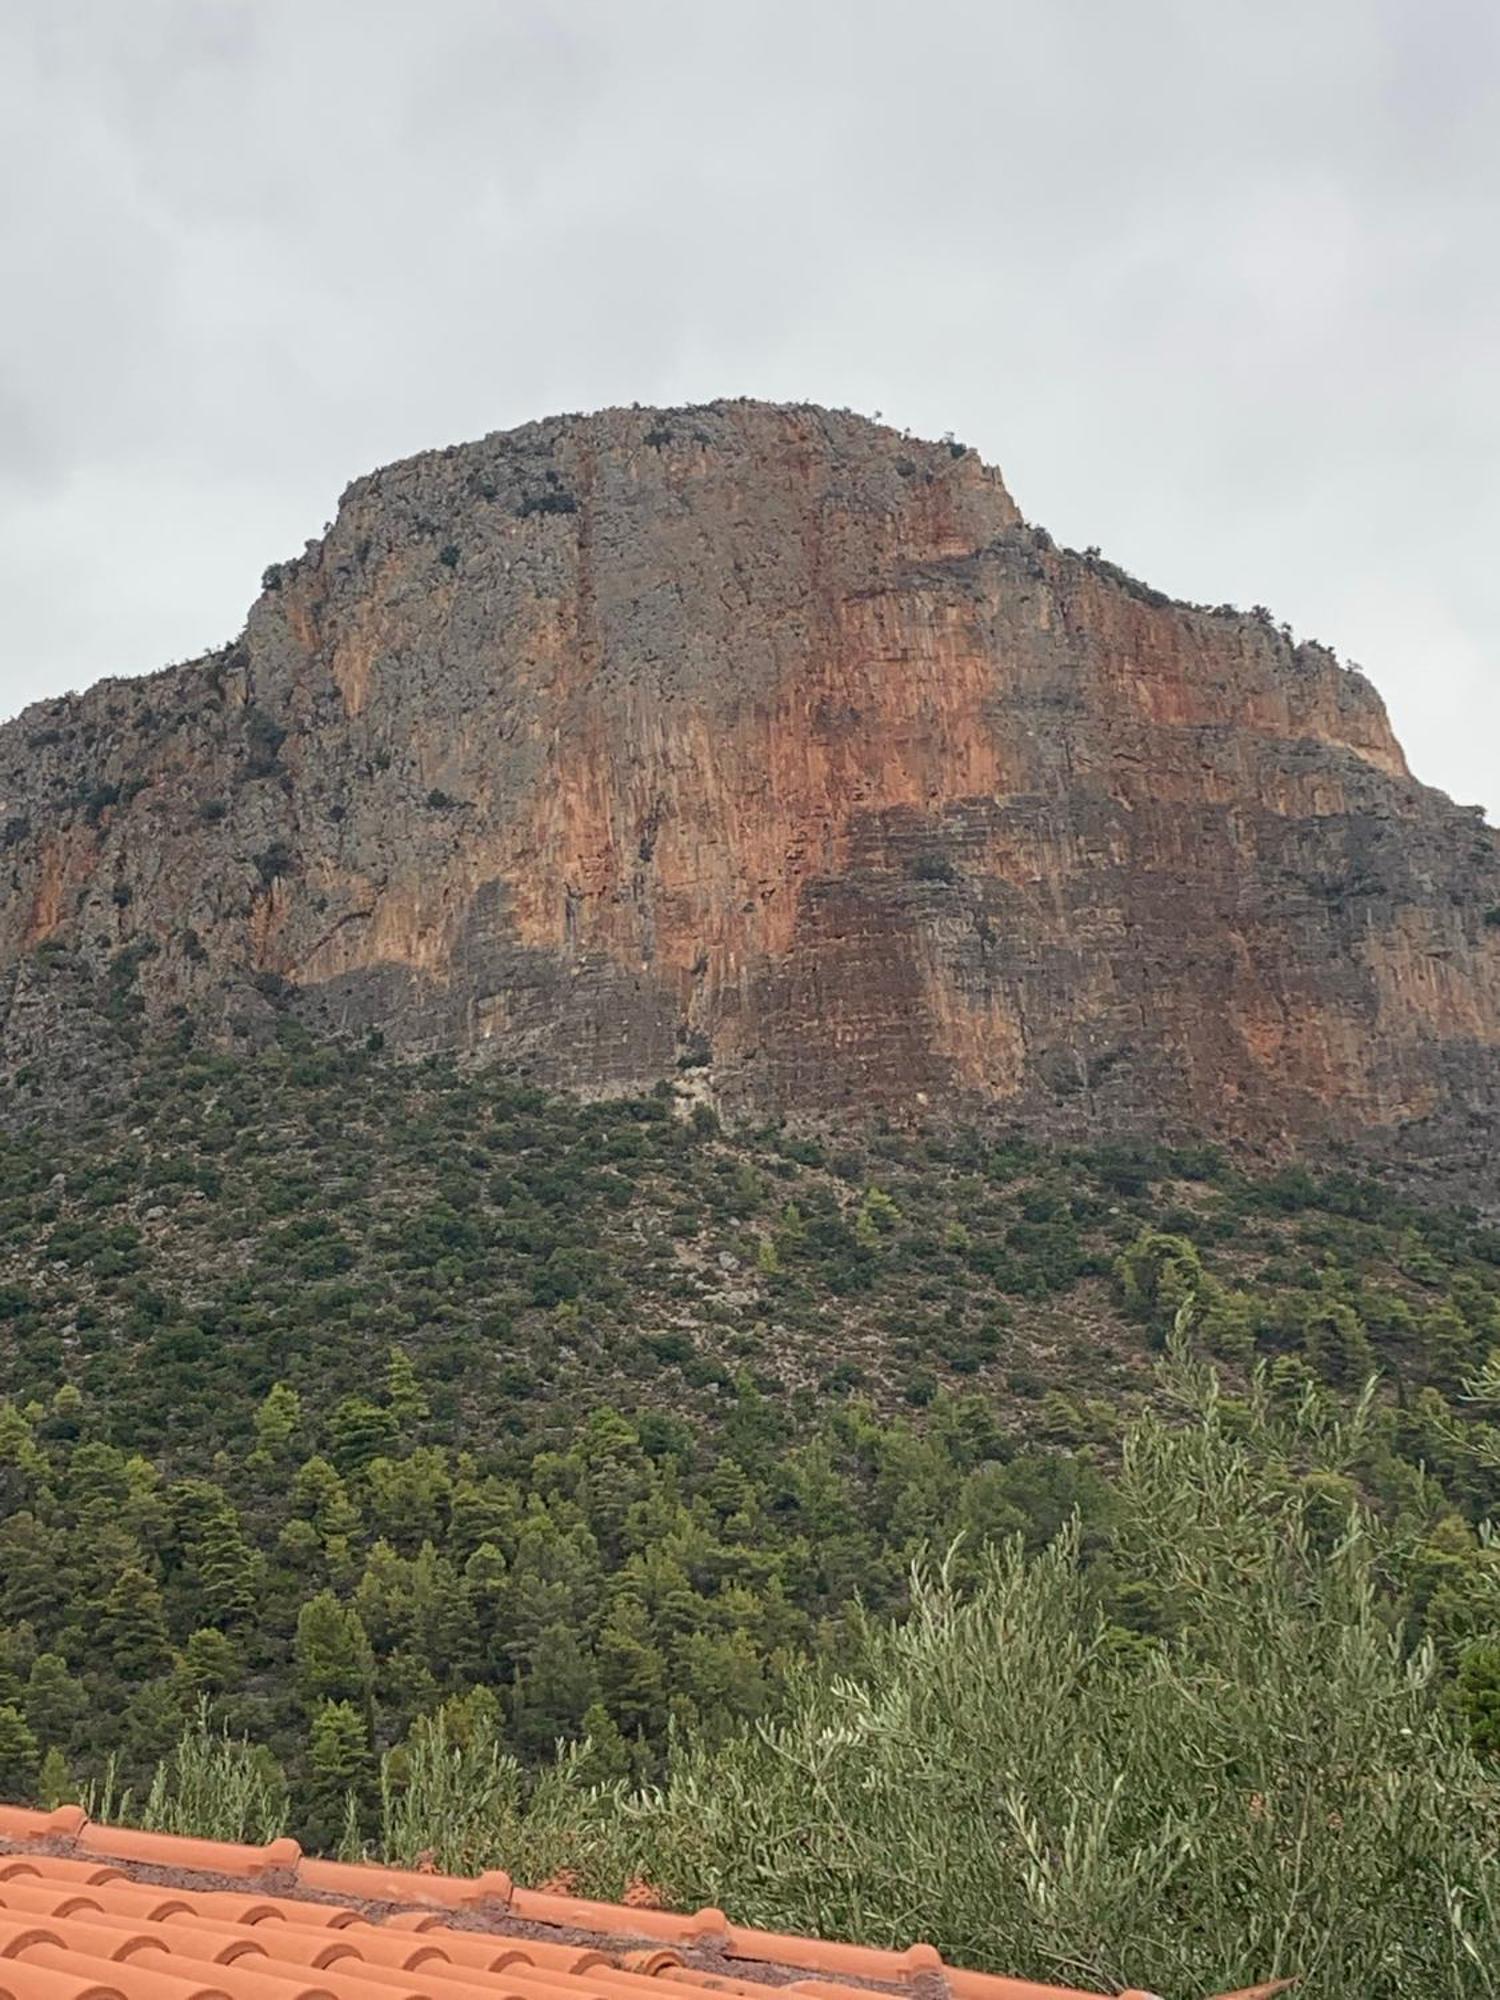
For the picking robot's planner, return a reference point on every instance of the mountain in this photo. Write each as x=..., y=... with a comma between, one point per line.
x=768, y=750
x=418, y=1454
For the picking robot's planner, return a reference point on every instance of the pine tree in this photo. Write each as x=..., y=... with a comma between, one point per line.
x=487, y=1510
x=17, y=1649
x=332, y=1653
x=153, y=1720
x=1336, y=1344
x=224, y=1572
x=632, y=1673
x=18, y=1755
x=606, y=1755
x=210, y=1664
x=98, y=1477
x=556, y=1692
x=338, y=1765
x=54, y=1702
x=30, y=1561
x=320, y=1494
x=616, y=1473
x=409, y=1497
x=67, y=1411
x=359, y=1430
x=404, y=1396
x=486, y=1579
x=1158, y=1275
x=229, y=1571
x=133, y=1626
x=54, y=1785
x=22, y=1465
x=1479, y=1696
x=1448, y=1347
x=278, y=1423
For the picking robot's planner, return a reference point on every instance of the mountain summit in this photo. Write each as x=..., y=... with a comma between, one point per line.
x=767, y=750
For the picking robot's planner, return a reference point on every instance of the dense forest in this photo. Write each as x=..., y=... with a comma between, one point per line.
x=406, y=1421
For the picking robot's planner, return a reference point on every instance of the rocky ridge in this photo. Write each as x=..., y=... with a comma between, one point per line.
x=766, y=750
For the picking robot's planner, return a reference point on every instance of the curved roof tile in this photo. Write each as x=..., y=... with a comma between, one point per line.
x=91, y=1912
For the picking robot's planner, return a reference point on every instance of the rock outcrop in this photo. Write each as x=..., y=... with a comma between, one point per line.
x=767, y=750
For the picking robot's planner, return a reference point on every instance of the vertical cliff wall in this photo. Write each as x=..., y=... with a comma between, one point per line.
x=765, y=748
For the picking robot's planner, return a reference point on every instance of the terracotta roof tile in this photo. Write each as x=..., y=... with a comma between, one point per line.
x=18, y=1865
x=718, y=1982
x=175, y=1850
x=21, y=1823
x=20, y=1981
x=61, y=1899
x=233, y=1906
x=93, y=1912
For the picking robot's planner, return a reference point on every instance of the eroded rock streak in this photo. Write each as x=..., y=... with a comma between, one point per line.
x=763, y=746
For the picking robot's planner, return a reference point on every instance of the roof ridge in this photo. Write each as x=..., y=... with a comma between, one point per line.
x=82, y=1866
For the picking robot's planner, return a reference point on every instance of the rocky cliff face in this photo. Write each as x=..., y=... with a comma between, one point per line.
x=770, y=751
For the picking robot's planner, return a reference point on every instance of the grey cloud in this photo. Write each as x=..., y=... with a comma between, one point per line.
x=1214, y=285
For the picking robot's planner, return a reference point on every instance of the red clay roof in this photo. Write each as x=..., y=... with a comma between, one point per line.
x=92, y=1912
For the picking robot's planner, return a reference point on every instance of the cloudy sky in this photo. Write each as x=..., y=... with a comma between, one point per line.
x=1215, y=282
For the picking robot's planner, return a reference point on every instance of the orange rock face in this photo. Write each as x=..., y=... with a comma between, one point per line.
x=764, y=748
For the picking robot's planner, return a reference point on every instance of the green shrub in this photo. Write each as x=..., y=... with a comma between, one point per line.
x=1274, y=1786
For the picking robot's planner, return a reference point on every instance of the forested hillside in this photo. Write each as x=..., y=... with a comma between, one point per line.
x=337, y=1389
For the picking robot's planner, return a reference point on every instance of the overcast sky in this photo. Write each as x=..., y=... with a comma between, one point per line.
x=1217, y=285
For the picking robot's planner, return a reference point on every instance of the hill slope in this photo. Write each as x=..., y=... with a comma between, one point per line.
x=765, y=746
x=332, y=1379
